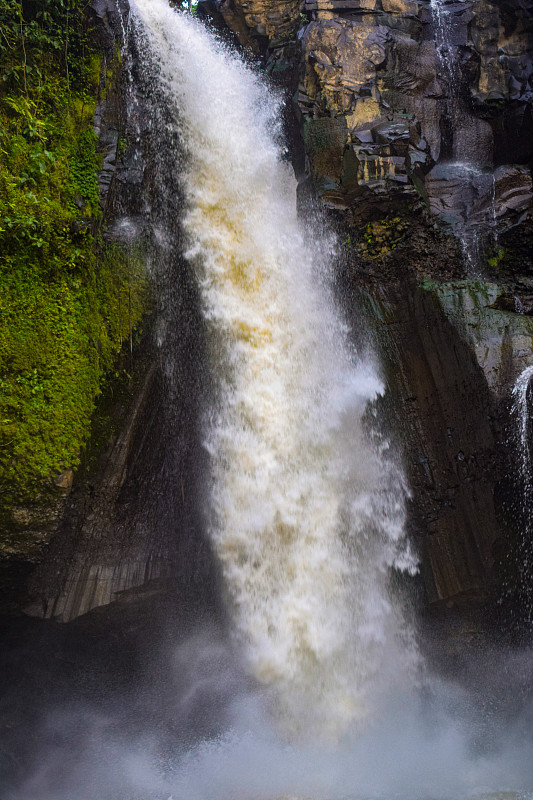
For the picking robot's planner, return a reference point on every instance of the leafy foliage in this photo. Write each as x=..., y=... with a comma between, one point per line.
x=67, y=304
x=83, y=179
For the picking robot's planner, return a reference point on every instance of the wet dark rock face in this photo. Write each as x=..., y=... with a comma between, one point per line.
x=447, y=427
x=450, y=351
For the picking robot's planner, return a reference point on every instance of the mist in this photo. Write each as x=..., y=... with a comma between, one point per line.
x=201, y=728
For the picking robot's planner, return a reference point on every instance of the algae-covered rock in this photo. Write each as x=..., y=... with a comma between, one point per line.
x=500, y=338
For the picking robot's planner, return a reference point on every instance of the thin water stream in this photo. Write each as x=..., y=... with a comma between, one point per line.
x=445, y=50
x=477, y=229
x=521, y=412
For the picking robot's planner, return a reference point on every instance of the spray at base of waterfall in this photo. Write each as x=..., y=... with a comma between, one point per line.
x=435, y=744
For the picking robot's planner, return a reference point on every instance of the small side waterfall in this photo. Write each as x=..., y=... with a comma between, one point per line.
x=520, y=410
x=474, y=186
x=307, y=509
x=478, y=227
x=441, y=21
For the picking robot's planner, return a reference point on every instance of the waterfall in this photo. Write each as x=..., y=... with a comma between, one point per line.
x=441, y=21
x=471, y=233
x=476, y=229
x=520, y=411
x=307, y=508
x=479, y=230
x=305, y=511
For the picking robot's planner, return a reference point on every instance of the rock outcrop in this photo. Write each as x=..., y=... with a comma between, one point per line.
x=450, y=353
x=406, y=114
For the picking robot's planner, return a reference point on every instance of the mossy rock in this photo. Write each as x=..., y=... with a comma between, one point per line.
x=380, y=237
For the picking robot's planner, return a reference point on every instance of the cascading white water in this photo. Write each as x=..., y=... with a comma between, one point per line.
x=307, y=514
x=443, y=40
x=520, y=410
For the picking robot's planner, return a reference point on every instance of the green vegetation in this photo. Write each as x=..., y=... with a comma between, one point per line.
x=67, y=304
x=495, y=259
x=380, y=237
x=187, y=5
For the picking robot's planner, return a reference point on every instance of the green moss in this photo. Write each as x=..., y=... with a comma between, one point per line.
x=67, y=304
x=380, y=237
x=58, y=339
x=83, y=178
x=496, y=258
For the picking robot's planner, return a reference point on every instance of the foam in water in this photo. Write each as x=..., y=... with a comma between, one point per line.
x=307, y=514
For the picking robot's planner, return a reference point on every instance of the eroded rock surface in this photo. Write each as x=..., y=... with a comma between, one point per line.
x=399, y=102
x=377, y=67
